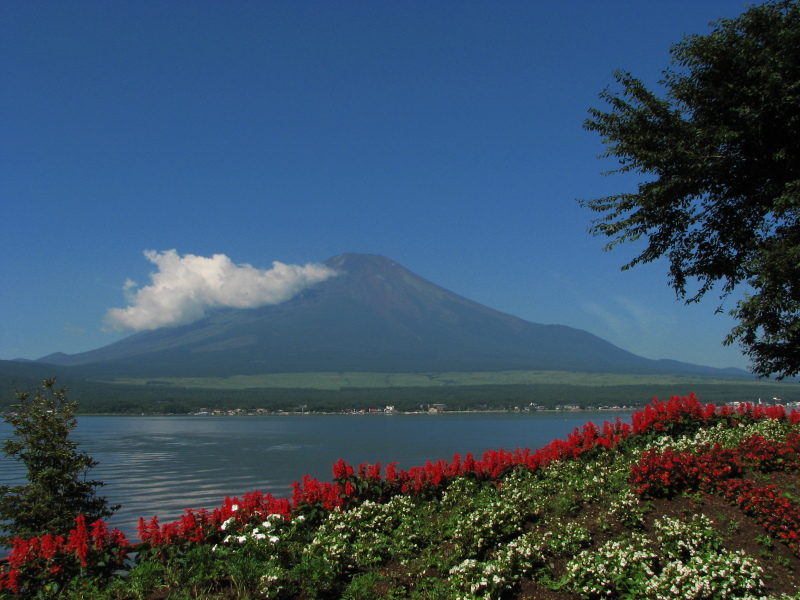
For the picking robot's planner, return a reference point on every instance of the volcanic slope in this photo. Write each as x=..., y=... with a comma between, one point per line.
x=374, y=316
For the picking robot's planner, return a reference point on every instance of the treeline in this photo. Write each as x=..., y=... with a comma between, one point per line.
x=109, y=398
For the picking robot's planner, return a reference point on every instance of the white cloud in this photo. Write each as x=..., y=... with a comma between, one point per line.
x=186, y=287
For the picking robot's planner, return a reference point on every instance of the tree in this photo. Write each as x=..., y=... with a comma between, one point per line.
x=720, y=154
x=57, y=491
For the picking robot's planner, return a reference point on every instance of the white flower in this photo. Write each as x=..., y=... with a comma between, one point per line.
x=274, y=539
x=234, y=507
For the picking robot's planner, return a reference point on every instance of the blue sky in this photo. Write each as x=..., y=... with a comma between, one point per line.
x=444, y=135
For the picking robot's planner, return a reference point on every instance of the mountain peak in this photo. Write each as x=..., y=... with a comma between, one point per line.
x=359, y=261
x=376, y=316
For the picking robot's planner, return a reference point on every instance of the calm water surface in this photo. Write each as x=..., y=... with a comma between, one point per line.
x=163, y=465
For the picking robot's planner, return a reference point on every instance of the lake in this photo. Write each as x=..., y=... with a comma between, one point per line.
x=156, y=465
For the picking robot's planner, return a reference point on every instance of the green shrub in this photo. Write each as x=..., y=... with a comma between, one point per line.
x=57, y=491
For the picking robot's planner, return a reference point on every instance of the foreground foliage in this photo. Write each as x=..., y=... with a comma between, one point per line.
x=686, y=501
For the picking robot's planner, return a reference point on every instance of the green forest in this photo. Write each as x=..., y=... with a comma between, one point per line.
x=590, y=392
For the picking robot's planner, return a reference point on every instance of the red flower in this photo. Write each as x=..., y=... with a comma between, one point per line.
x=79, y=540
x=99, y=534
x=51, y=545
x=9, y=580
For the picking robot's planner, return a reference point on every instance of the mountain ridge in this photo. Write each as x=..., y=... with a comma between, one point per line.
x=374, y=315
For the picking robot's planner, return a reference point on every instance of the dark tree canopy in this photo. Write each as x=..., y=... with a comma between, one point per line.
x=720, y=154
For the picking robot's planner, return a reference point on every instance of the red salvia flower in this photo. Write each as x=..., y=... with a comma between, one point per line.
x=79, y=540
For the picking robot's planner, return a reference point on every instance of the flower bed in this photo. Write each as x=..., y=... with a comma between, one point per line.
x=494, y=521
x=719, y=470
